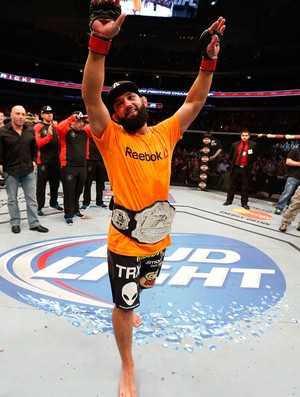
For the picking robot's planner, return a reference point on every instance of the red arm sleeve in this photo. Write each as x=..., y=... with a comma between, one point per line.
x=62, y=128
x=39, y=140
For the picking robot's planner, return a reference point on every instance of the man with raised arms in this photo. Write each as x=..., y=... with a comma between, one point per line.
x=138, y=161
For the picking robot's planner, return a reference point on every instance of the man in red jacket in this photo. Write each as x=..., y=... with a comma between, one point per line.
x=242, y=156
x=73, y=141
x=48, y=165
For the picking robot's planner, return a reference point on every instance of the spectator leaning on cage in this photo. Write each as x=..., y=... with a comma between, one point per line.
x=242, y=156
x=292, y=182
x=138, y=161
x=18, y=152
x=48, y=165
x=291, y=212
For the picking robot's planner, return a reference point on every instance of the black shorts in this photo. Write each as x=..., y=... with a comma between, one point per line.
x=130, y=274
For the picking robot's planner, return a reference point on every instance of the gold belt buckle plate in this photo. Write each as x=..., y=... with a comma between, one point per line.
x=154, y=223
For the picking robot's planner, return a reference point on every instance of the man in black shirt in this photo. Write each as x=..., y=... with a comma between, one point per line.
x=18, y=151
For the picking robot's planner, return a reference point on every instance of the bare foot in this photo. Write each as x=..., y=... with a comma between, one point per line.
x=136, y=320
x=127, y=386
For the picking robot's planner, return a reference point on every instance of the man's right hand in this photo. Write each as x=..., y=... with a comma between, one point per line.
x=105, y=19
x=2, y=182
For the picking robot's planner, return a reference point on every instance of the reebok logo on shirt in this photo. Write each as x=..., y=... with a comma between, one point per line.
x=143, y=156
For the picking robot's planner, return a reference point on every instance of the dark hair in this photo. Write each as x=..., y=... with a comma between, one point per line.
x=245, y=130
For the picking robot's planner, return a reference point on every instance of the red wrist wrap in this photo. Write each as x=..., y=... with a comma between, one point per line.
x=208, y=65
x=99, y=45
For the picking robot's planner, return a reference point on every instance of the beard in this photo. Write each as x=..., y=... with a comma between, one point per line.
x=132, y=124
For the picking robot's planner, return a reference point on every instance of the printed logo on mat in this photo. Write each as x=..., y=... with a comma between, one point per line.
x=208, y=285
x=253, y=214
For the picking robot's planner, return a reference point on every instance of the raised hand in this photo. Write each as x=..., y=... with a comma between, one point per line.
x=216, y=30
x=50, y=130
x=210, y=39
x=105, y=18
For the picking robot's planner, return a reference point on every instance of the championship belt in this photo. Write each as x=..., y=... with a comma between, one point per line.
x=149, y=225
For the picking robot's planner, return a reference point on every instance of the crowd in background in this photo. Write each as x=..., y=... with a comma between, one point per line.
x=269, y=170
x=40, y=56
x=262, y=55
x=268, y=175
x=269, y=122
x=63, y=61
x=222, y=116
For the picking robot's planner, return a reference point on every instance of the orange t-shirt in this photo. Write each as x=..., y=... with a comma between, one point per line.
x=139, y=170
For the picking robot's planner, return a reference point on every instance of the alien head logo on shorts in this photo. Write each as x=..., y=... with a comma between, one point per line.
x=207, y=284
x=130, y=293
